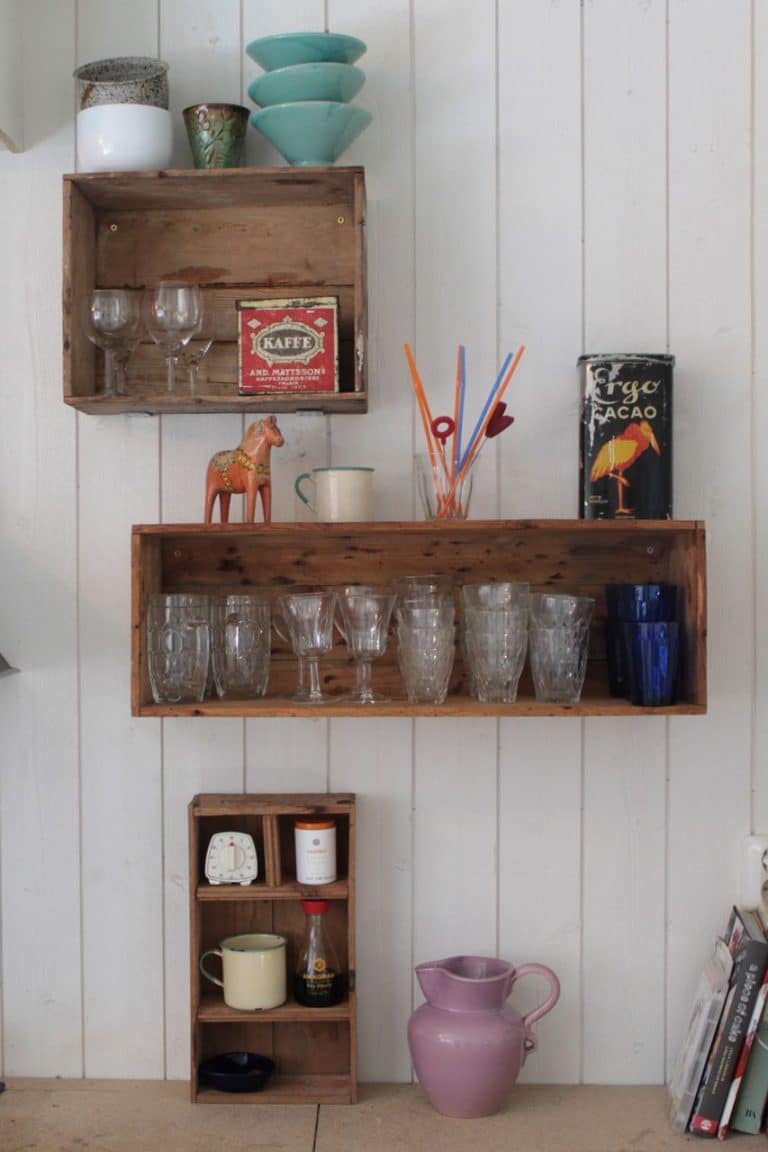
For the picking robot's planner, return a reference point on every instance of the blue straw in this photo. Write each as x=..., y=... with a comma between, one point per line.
x=462, y=389
x=484, y=413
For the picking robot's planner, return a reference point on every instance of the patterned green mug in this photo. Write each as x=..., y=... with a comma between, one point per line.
x=216, y=134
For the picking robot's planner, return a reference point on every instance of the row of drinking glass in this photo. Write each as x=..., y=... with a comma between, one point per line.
x=171, y=313
x=186, y=633
x=498, y=624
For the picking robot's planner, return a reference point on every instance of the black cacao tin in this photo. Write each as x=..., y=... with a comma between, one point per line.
x=625, y=457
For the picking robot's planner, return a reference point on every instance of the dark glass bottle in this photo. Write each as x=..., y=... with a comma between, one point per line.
x=319, y=981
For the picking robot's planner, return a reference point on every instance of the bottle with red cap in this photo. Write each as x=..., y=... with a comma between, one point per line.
x=319, y=981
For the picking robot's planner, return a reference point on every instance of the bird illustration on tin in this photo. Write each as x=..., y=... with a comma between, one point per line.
x=619, y=454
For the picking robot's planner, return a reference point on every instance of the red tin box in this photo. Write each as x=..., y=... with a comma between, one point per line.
x=288, y=345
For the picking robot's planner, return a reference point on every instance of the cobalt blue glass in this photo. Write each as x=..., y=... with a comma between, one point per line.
x=651, y=651
x=643, y=603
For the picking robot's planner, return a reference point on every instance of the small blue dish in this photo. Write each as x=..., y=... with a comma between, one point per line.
x=236, y=1071
x=287, y=48
x=326, y=81
x=311, y=132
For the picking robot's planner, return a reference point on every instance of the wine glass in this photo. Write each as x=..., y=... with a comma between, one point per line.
x=113, y=323
x=172, y=312
x=309, y=617
x=190, y=358
x=366, y=612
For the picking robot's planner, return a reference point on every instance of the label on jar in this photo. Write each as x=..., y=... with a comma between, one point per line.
x=315, y=853
x=320, y=988
x=625, y=459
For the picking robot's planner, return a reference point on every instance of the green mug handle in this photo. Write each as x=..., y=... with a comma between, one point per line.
x=300, y=494
x=211, y=952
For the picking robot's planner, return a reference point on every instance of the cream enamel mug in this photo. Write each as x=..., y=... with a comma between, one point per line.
x=253, y=969
x=340, y=493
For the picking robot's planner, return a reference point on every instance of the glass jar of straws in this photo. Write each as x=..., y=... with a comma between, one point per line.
x=444, y=474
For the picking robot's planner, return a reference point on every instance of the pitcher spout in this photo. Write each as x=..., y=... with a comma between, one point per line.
x=431, y=976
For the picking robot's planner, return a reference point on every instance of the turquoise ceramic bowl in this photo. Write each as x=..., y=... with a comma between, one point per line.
x=288, y=48
x=313, y=132
x=326, y=81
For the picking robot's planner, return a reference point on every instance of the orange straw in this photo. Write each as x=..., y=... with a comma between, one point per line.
x=479, y=438
x=426, y=415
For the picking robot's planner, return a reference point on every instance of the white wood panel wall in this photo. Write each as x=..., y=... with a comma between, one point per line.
x=573, y=176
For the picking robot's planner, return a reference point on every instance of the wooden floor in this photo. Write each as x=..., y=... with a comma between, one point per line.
x=148, y=1116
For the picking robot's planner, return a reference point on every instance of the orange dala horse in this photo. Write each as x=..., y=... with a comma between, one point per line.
x=244, y=469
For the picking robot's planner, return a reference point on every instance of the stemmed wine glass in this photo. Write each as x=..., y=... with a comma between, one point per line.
x=172, y=312
x=366, y=611
x=113, y=323
x=309, y=617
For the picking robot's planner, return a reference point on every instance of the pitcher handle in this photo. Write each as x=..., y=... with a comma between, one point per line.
x=204, y=970
x=300, y=494
x=536, y=1013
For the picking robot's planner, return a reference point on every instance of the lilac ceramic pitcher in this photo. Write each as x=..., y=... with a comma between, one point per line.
x=467, y=1044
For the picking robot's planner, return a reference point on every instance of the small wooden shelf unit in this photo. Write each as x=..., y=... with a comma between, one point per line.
x=314, y=1049
x=240, y=233
x=574, y=556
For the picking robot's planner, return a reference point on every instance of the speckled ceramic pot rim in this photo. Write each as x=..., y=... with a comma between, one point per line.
x=219, y=106
x=123, y=80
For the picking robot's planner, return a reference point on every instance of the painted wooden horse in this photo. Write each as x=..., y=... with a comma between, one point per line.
x=244, y=469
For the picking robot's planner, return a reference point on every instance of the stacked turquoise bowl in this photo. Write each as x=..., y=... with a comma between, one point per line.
x=304, y=94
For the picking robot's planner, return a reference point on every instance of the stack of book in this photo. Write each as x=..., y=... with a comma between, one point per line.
x=720, y=1080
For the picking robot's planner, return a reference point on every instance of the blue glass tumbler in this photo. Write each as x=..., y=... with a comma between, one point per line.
x=651, y=653
x=632, y=603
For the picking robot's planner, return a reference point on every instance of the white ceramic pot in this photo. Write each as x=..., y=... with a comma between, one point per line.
x=123, y=138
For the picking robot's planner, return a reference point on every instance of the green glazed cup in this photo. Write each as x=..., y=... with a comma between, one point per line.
x=216, y=134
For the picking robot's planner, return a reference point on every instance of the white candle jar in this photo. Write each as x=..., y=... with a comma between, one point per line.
x=315, y=842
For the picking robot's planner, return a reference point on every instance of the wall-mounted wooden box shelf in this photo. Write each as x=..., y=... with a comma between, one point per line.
x=240, y=233
x=565, y=555
x=314, y=1049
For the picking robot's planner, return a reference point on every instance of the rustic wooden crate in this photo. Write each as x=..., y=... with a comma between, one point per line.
x=256, y=233
x=315, y=1049
x=574, y=556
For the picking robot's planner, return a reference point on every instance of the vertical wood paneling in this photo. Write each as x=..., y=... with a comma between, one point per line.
x=540, y=882
x=455, y=762
x=290, y=757
x=624, y=881
x=105, y=796
x=455, y=850
x=759, y=160
x=625, y=308
x=201, y=43
x=539, y=247
x=709, y=284
x=455, y=237
x=40, y=1021
x=306, y=434
x=373, y=759
x=385, y=149
x=197, y=757
x=121, y=787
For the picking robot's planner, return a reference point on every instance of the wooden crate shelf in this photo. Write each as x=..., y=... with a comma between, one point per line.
x=314, y=1049
x=241, y=233
x=573, y=556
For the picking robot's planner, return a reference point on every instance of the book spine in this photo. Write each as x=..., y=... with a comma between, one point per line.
x=741, y=1064
x=713, y=1091
x=751, y=1101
